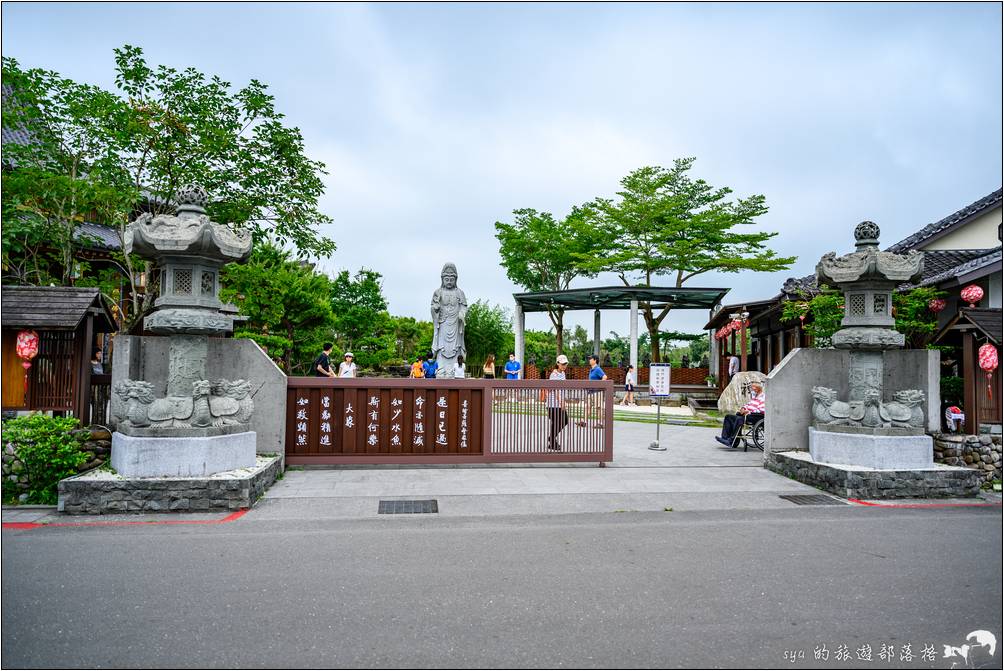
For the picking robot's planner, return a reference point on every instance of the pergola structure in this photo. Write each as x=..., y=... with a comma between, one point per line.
x=611, y=298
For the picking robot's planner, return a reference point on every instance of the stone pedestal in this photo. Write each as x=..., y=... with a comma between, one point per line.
x=148, y=457
x=881, y=449
x=859, y=482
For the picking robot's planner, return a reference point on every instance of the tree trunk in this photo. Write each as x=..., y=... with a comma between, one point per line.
x=289, y=352
x=558, y=319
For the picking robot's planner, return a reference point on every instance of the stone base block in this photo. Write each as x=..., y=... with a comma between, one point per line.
x=144, y=457
x=102, y=493
x=854, y=482
x=895, y=452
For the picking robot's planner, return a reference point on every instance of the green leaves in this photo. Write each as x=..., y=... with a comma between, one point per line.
x=488, y=331
x=49, y=450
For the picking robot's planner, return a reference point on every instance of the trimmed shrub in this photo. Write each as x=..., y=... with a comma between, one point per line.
x=49, y=452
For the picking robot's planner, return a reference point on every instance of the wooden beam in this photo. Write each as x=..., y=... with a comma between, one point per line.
x=969, y=382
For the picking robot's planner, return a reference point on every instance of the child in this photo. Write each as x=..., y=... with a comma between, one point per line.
x=416, y=368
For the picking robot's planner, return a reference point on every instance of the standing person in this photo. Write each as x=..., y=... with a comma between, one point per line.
x=417, y=371
x=97, y=367
x=555, y=402
x=459, y=371
x=430, y=366
x=322, y=364
x=489, y=368
x=347, y=368
x=629, y=386
x=594, y=399
x=733, y=364
x=512, y=368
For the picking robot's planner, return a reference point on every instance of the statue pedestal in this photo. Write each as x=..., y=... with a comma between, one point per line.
x=150, y=457
x=887, y=449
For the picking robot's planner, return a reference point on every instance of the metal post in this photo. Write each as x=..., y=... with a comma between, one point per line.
x=596, y=334
x=633, y=316
x=519, y=324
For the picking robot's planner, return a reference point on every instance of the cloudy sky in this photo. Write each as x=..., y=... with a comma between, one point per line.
x=435, y=121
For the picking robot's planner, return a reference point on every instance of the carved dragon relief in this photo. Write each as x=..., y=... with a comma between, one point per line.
x=212, y=404
x=904, y=411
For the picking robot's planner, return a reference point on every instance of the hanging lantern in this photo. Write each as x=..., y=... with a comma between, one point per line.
x=972, y=294
x=27, y=349
x=936, y=305
x=988, y=362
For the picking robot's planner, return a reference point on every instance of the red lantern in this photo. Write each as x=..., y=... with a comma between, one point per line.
x=936, y=305
x=27, y=349
x=988, y=362
x=972, y=294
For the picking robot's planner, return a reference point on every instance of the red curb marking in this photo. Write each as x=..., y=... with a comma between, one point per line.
x=924, y=505
x=34, y=525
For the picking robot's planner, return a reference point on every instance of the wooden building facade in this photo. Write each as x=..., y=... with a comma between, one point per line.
x=61, y=379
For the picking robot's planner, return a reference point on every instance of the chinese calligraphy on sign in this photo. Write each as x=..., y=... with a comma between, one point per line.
x=384, y=420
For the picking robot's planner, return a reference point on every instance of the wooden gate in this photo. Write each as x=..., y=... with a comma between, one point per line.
x=415, y=421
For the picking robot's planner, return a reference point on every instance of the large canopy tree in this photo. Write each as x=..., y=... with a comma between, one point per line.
x=666, y=223
x=90, y=153
x=286, y=302
x=539, y=254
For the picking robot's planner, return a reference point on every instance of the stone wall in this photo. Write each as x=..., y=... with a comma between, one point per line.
x=789, y=389
x=789, y=395
x=109, y=494
x=97, y=445
x=865, y=483
x=982, y=453
x=146, y=358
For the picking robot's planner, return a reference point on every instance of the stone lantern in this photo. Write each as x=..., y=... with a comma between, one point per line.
x=875, y=427
x=867, y=278
x=200, y=426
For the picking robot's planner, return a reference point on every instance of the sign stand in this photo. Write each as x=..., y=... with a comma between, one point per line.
x=658, y=387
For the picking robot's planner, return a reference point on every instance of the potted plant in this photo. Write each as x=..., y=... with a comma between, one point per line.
x=710, y=380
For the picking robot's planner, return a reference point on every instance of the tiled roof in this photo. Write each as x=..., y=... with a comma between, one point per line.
x=987, y=320
x=946, y=264
x=931, y=230
x=97, y=236
x=53, y=308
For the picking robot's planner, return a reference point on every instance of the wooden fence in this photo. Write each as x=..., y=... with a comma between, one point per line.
x=395, y=421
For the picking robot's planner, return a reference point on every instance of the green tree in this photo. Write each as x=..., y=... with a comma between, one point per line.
x=108, y=155
x=65, y=172
x=287, y=303
x=488, y=330
x=412, y=338
x=539, y=254
x=665, y=222
x=822, y=314
x=540, y=347
x=362, y=324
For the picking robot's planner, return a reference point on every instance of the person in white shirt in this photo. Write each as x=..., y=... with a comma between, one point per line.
x=347, y=368
x=555, y=402
x=629, y=382
x=733, y=364
x=459, y=371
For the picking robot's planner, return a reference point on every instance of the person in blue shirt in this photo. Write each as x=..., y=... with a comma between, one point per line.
x=512, y=368
x=594, y=400
x=430, y=366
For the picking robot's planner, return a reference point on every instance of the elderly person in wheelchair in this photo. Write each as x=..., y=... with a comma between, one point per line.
x=750, y=415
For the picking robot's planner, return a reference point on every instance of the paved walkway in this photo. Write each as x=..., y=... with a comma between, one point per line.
x=694, y=472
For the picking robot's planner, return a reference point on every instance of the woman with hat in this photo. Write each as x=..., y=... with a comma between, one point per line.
x=555, y=402
x=347, y=368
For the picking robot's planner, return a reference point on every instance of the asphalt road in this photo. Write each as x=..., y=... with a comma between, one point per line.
x=732, y=589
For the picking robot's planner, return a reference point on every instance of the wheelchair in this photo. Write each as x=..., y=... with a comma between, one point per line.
x=750, y=433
